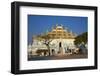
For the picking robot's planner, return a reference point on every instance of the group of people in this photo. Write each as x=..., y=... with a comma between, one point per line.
x=82, y=49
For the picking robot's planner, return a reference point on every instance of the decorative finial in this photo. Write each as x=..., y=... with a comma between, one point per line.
x=71, y=31
x=56, y=25
x=61, y=25
x=52, y=27
x=47, y=31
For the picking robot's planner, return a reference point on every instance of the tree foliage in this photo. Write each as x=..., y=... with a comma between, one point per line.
x=46, y=40
x=81, y=38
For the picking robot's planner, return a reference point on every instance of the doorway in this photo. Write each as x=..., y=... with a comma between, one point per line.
x=60, y=45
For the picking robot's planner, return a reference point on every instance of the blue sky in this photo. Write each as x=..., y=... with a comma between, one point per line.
x=38, y=24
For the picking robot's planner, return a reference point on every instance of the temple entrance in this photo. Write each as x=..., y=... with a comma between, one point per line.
x=59, y=44
x=60, y=48
x=53, y=52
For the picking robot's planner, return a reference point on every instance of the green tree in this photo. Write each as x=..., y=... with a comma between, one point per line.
x=81, y=38
x=46, y=40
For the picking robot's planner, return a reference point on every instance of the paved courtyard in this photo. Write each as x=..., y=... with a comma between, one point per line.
x=73, y=56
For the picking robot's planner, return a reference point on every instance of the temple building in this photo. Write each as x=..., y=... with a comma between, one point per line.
x=61, y=38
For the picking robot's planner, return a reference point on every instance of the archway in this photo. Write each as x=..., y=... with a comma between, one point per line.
x=60, y=45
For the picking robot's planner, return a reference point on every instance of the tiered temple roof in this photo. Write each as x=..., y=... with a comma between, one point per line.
x=60, y=32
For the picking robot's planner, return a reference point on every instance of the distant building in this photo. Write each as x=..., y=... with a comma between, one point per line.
x=62, y=40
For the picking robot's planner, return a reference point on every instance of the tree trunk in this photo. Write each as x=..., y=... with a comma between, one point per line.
x=48, y=49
